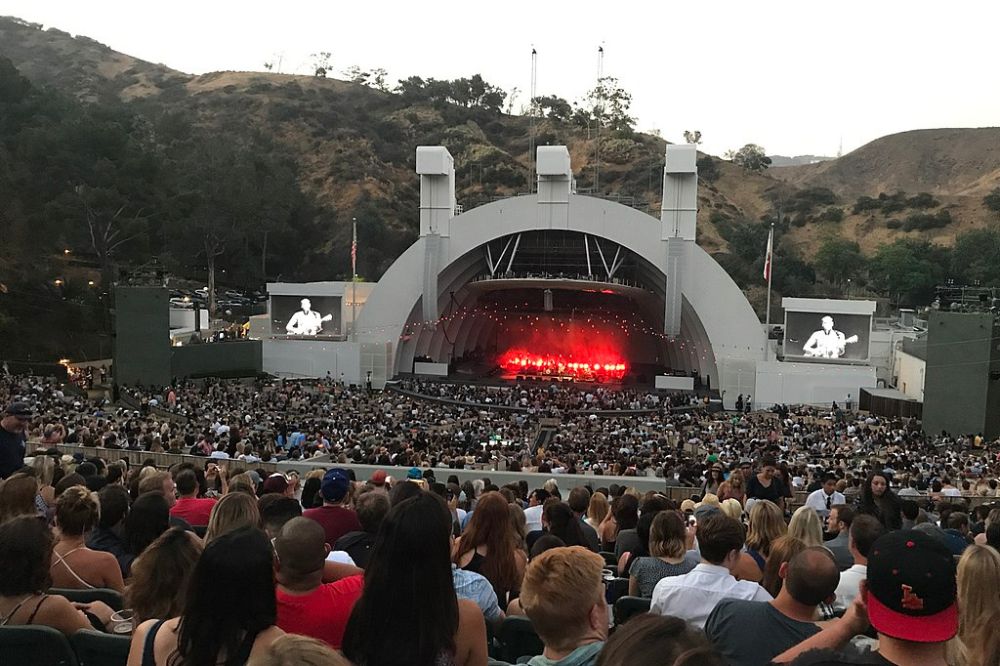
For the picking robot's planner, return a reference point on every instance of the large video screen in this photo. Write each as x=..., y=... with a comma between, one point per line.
x=307, y=316
x=815, y=336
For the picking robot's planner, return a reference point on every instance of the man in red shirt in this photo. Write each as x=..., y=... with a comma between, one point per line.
x=189, y=506
x=336, y=518
x=306, y=605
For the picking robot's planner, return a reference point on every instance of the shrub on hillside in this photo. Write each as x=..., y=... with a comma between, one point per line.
x=922, y=200
x=707, y=169
x=832, y=215
x=926, y=221
x=992, y=200
x=866, y=204
x=893, y=224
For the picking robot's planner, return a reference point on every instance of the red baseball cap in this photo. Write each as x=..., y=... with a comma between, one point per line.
x=912, y=588
x=378, y=477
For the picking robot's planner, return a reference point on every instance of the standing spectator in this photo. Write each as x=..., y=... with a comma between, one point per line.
x=409, y=595
x=335, y=516
x=910, y=597
x=563, y=596
x=160, y=578
x=838, y=523
x=230, y=611
x=75, y=566
x=878, y=500
x=307, y=605
x=766, y=484
x=865, y=530
x=12, y=437
x=751, y=633
x=694, y=595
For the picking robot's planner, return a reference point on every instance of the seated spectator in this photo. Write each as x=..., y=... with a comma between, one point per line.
x=910, y=599
x=17, y=497
x=276, y=510
x=292, y=650
x=838, y=524
x=559, y=520
x=146, y=521
x=579, y=502
x=306, y=605
x=160, y=576
x=409, y=594
x=230, y=611
x=278, y=484
x=563, y=596
x=806, y=526
x=750, y=633
x=668, y=555
x=694, y=595
x=74, y=565
x=782, y=551
x=865, y=530
x=533, y=513
x=766, y=524
x=371, y=508
x=624, y=516
x=627, y=539
x=335, y=516
x=310, y=489
x=597, y=509
x=978, y=642
x=652, y=640
x=109, y=534
x=189, y=506
x=957, y=531
x=234, y=511
x=242, y=483
x=488, y=547
x=25, y=559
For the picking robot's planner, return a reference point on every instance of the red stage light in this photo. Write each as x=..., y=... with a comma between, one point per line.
x=519, y=361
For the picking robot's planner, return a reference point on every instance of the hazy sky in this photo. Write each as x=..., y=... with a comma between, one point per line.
x=796, y=77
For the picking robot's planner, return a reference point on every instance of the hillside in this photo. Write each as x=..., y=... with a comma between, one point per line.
x=264, y=172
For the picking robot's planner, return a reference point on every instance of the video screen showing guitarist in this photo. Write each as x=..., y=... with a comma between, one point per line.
x=827, y=342
x=307, y=321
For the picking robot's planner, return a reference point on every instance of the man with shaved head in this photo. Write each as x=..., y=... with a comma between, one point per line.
x=751, y=633
x=307, y=605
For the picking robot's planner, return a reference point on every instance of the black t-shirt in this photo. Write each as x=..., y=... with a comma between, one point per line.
x=832, y=658
x=11, y=452
x=757, y=490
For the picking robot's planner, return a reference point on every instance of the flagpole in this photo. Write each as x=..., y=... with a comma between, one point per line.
x=770, y=272
x=354, y=279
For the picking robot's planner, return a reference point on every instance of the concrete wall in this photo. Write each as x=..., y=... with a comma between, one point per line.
x=142, y=336
x=313, y=358
x=810, y=383
x=238, y=358
x=910, y=375
x=960, y=394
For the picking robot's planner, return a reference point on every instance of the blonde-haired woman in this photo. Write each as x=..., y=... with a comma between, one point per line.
x=597, y=510
x=767, y=525
x=732, y=508
x=978, y=641
x=230, y=513
x=735, y=487
x=806, y=526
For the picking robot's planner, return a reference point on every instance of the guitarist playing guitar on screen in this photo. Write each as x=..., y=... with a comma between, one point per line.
x=827, y=343
x=306, y=321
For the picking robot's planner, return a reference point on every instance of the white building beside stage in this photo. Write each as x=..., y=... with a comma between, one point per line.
x=708, y=326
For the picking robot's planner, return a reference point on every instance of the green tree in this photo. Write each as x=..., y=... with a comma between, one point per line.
x=321, y=63
x=839, y=260
x=976, y=257
x=554, y=107
x=692, y=137
x=610, y=103
x=907, y=270
x=750, y=157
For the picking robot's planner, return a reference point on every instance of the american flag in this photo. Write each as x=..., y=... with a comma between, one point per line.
x=770, y=252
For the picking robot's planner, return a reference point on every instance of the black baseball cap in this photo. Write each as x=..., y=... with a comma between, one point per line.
x=912, y=588
x=20, y=409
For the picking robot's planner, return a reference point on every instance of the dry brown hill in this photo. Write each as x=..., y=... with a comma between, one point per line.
x=948, y=162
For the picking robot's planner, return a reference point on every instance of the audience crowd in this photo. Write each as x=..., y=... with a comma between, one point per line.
x=807, y=537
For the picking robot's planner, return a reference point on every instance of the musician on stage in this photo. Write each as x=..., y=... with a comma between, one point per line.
x=306, y=321
x=827, y=342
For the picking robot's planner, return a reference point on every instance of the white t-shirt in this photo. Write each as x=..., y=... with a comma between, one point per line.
x=533, y=518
